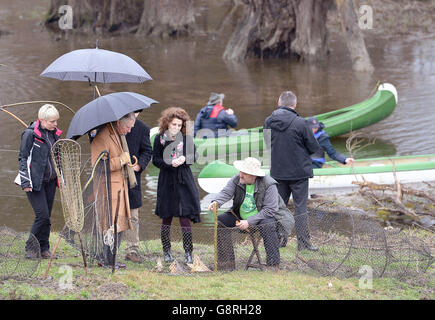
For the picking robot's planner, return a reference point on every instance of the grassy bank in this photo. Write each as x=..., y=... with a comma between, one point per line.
x=136, y=282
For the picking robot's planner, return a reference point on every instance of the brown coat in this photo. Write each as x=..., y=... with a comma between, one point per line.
x=108, y=139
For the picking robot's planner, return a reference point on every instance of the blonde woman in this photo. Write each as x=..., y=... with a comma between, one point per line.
x=37, y=174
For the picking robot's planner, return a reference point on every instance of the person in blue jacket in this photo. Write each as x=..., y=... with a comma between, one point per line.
x=318, y=158
x=214, y=117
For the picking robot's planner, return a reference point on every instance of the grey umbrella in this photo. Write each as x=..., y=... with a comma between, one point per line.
x=96, y=65
x=104, y=109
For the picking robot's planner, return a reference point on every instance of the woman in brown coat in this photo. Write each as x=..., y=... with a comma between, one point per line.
x=108, y=139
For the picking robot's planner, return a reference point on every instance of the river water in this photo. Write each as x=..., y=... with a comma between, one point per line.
x=185, y=71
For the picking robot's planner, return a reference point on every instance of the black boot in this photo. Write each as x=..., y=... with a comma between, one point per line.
x=188, y=246
x=165, y=235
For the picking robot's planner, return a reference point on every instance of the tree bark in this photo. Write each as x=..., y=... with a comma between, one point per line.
x=98, y=15
x=165, y=18
x=271, y=28
x=311, y=35
x=353, y=36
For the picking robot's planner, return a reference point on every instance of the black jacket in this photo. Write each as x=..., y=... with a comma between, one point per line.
x=139, y=145
x=177, y=194
x=36, y=144
x=291, y=142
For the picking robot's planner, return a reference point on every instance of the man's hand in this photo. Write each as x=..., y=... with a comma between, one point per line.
x=125, y=158
x=243, y=224
x=136, y=168
x=230, y=111
x=211, y=205
x=28, y=189
x=349, y=160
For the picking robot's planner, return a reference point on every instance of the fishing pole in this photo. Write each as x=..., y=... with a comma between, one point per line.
x=39, y=101
x=14, y=116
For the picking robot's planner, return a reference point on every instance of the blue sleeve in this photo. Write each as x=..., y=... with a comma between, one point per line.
x=325, y=143
x=229, y=119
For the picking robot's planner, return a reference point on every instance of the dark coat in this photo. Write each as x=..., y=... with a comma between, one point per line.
x=292, y=143
x=36, y=143
x=139, y=145
x=177, y=193
x=208, y=120
x=318, y=158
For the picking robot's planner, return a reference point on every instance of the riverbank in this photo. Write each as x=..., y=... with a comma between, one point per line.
x=135, y=283
x=146, y=281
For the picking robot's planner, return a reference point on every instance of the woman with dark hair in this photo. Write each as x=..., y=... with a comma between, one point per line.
x=177, y=194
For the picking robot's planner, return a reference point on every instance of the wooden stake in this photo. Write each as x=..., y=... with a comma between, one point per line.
x=83, y=253
x=51, y=258
x=215, y=211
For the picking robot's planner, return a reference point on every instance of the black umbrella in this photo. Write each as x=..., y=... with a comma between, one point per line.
x=104, y=109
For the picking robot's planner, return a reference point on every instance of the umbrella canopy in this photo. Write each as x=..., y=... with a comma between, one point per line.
x=96, y=65
x=104, y=109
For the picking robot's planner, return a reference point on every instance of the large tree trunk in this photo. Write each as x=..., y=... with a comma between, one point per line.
x=353, y=36
x=167, y=18
x=265, y=30
x=311, y=35
x=271, y=28
x=98, y=15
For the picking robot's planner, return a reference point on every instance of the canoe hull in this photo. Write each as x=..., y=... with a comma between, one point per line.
x=409, y=169
x=337, y=122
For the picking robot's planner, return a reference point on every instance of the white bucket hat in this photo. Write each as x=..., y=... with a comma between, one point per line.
x=250, y=166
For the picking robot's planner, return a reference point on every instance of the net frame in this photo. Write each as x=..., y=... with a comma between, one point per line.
x=66, y=156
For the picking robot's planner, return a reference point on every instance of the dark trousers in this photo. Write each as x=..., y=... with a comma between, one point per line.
x=299, y=189
x=165, y=234
x=42, y=203
x=267, y=229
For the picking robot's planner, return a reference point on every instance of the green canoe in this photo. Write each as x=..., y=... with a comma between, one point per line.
x=335, y=176
x=341, y=121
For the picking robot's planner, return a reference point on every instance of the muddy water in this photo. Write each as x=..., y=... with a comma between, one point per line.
x=186, y=71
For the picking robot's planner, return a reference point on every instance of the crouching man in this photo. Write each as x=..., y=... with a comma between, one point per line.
x=256, y=202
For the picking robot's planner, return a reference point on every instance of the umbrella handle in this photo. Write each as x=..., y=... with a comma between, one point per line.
x=135, y=162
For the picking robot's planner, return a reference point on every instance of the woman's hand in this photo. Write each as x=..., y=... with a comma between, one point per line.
x=179, y=161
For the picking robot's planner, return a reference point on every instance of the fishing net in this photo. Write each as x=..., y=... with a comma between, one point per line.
x=66, y=158
x=350, y=244
x=20, y=254
x=98, y=232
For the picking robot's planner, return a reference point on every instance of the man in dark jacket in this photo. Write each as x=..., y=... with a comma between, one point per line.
x=139, y=145
x=215, y=118
x=256, y=204
x=291, y=142
x=318, y=158
x=37, y=175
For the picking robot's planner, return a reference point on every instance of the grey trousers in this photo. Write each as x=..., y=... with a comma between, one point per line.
x=131, y=236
